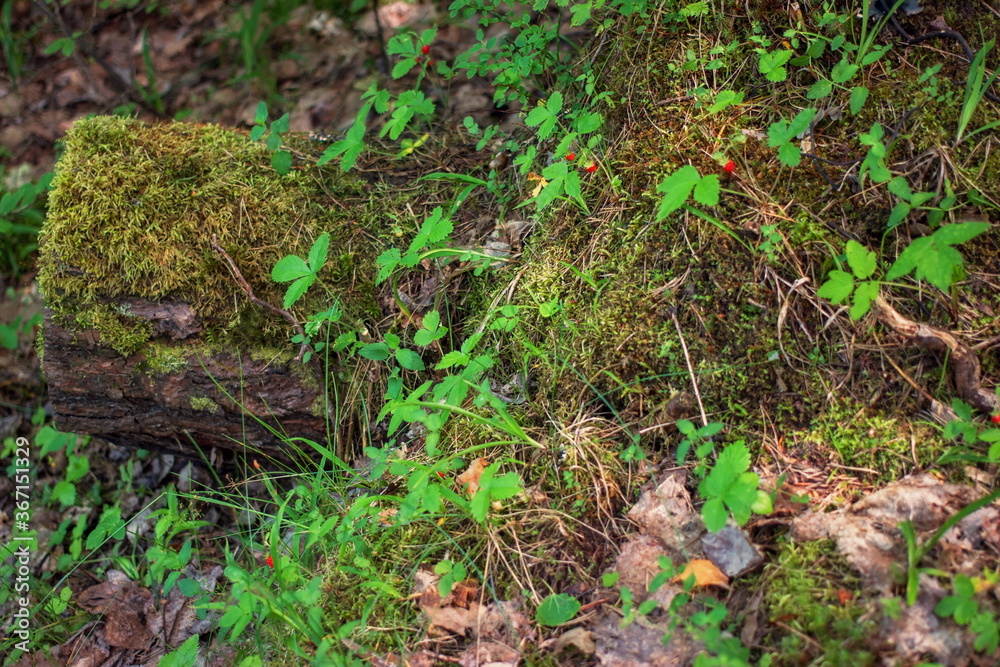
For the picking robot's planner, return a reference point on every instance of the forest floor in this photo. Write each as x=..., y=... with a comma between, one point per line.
x=652, y=360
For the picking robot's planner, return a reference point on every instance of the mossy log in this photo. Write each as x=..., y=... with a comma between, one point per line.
x=150, y=338
x=196, y=402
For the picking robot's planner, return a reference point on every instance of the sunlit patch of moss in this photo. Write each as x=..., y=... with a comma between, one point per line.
x=135, y=207
x=161, y=358
x=204, y=403
x=124, y=333
x=869, y=439
x=810, y=589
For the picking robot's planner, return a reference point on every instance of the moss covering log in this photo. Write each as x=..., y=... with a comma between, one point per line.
x=149, y=340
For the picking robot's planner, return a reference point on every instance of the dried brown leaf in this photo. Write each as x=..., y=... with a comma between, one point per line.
x=705, y=574
x=469, y=480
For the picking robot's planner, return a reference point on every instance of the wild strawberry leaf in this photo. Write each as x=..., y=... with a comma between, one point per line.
x=676, y=188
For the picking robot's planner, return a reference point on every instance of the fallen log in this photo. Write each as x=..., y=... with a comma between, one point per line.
x=150, y=340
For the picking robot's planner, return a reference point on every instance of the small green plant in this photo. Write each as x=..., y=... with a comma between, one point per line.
x=915, y=200
x=873, y=164
x=698, y=437
x=916, y=552
x=680, y=185
x=856, y=285
x=281, y=159
x=557, y=609
x=451, y=574
x=962, y=605
x=933, y=258
x=976, y=87
x=20, y=219
x=729, y=489
x=781, y=133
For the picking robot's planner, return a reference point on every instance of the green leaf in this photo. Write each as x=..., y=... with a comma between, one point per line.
x=557, y=609
x=281, y=161
x=932, y=258
x=864, y=295
x=409, y=360
x=724, y=99
x=493, y=488
x=588, y=121
x=837, y=288
x=317, y=254
x=281, y=125
x=782, y=132
x=861, y=260
x=453, y=358
x=713, y=513
x=706, y=192
x=375, y=351
x=290, y=267
x=790, y=155
x=859, y=95
x=763, y=503
x=899, y=213
x=260, y=117
x=899, y=187
x=387, y=262
x=64, y=492
x=297, y=289
x=546, y=116
x=676, y=188
x=403, y=67
x=186, y=654
x=820, y=89
x=843, y=71
x=771, y=64
x=430, y=330
x=959, y=232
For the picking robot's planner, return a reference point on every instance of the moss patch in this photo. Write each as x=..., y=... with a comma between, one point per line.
x=135, y=207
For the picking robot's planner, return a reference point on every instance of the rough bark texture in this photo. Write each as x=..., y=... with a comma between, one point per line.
x=96, y=390
x=967, y=371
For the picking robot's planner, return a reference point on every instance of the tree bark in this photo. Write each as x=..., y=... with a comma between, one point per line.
x=221, y=400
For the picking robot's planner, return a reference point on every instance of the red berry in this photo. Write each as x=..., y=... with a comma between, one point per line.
x=995, y=418
x=425, y=49
x=570, y=157
x=591, y=168
x=270, y=561
x=729, y=167
x=417, y=60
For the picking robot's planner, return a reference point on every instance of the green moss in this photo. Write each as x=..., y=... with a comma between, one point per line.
x=803, y=589
x=204, y=403
x=161, y=358
x=119, y=330
x=867, y=439
x=135, y=207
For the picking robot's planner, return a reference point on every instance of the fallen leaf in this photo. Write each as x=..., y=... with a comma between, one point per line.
x=705, y=574
x=541, y=183
x=463, y=592
x=455, y=620
x=489, y=654
x=581, y=638
x=469, y=480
